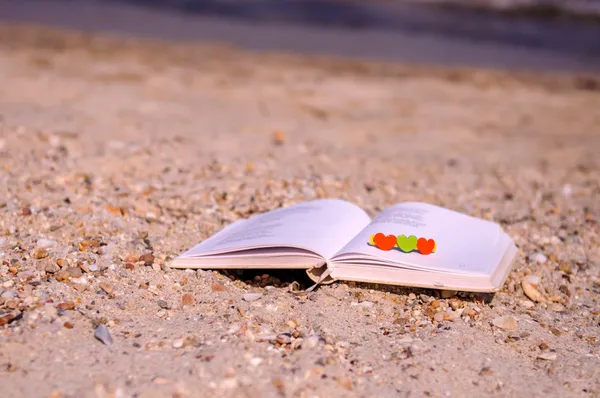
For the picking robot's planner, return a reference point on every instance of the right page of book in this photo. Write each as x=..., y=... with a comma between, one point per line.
x=463, y=244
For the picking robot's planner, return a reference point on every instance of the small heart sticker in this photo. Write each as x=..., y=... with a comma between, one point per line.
x=407, y=244
x=425, y=246
x=384, y=242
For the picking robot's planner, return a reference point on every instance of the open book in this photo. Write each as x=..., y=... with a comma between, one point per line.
x=334, y=240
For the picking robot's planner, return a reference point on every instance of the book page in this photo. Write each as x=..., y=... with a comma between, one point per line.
x=464, y=244
x=320, y=226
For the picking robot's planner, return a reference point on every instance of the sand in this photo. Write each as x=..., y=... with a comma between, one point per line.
x=118, y=154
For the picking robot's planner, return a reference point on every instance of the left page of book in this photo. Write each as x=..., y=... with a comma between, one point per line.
x=321, y=227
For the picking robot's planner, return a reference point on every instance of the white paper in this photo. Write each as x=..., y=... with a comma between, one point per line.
x=464, y=244
x=320, y=226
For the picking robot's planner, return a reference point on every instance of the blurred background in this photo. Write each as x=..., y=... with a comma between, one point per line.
x=524, y=34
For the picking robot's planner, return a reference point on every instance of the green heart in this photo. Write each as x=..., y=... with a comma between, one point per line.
x=407, y=244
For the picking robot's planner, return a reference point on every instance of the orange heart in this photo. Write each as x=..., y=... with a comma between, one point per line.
x=384, y=242
x=425, y=246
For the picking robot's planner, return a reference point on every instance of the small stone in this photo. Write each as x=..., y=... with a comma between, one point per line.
x=187, y=299
x=425, y=298
x=555, y=331
x=147, y=258
x=531, y=292
x=557, y=307
x=74, y=272
x=218, y=287
x=107, y=288
x=164, y=305
x=61, y=276
x=445, y=294
x=533, y=279
x=564, y=289
x=11, y=303
x=66, y=306
x=538, y=258
x=177, y=343
x=296, y=344
x=506, y=322
x=283, y=338
x=101, y=333
x=366, y=304
x=51, y=268
x=526, y=304
x=455, y=303
x=251, y=296
x=26, y=211
x=79, y=284
x=45, y=243
x=566, y=268
x=278, y=137
x=89, y=243
x=39, y=253
x=548, y=356
x=486, y=371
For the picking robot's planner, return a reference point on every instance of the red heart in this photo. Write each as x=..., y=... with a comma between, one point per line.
x=425, y=246
x=384, y=242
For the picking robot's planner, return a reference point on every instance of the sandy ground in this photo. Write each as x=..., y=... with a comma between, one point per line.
x=116, y=155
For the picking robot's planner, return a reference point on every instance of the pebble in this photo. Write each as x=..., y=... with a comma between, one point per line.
x=39, y=253
x=74, y=272
x=177, y=343
x=51, y=268
x=284, y=338
x=557, y=307
x=278, y=137
x=445, y=294
x=531, y=292
x=187, y=299
x=164, y=305
x=506, y=322
x=526, y=304
x=251, y=296
x=45, y=243
x=548, y=356
x=107, y=288
x=101, y=333
x=533, y=279
x=147, y=258
x=538, y=258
